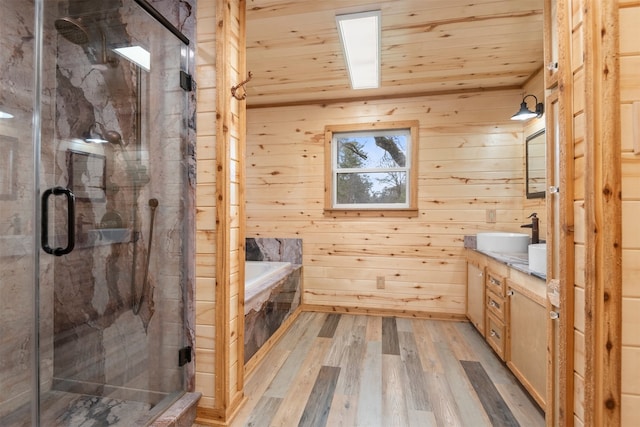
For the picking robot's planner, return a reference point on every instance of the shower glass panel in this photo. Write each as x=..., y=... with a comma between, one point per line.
x=93, y=202
x=18, y=248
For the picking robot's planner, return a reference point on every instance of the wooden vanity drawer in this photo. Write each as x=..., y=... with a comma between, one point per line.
x=495, y=283
x=496, y=335
x=495, y=305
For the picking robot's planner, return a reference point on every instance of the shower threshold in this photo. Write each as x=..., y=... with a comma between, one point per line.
x=64, y=409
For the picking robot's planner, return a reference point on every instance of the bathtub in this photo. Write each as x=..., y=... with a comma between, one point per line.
x=260, y=275
x=272, y=294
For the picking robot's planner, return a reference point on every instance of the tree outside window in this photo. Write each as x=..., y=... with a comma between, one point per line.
x=372, y=168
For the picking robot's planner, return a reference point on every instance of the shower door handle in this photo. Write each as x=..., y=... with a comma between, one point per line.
x=71, y=221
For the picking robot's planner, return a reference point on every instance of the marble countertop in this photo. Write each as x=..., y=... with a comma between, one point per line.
x=516, y=260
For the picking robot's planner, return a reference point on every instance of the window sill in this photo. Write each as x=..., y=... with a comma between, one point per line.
x=371, y=213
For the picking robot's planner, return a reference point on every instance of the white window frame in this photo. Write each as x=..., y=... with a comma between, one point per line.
x=408, y=128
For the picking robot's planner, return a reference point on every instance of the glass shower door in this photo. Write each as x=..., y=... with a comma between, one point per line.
x=17, y=214
x=112, y=204
x=93, y=219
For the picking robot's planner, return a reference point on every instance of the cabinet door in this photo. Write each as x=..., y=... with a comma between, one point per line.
x=528, y=344
x=475, y=296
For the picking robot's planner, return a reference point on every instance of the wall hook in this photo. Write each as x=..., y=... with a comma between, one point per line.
x=241, y=85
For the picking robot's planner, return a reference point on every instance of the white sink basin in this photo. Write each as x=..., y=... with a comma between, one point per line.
x=538, y=258
x=502, y=242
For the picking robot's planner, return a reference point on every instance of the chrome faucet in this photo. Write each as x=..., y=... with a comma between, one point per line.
x=535, y=228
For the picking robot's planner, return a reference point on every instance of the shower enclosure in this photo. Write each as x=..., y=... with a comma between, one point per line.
x=96, y=275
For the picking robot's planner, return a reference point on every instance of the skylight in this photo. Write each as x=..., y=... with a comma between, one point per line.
x=360, y=38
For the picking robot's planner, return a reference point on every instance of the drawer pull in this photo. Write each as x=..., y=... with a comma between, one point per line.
x=510, y=293
x=494, y=282
x=494, y=304
x=554, y=315
x=493, y=333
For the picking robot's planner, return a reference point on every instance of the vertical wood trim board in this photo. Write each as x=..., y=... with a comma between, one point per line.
x=566, y=233
x=576, y=124
x=550, y=77
x=235, y=62
x=629, y=13
x=222, y=207
x=603, y=209
x=242, y=143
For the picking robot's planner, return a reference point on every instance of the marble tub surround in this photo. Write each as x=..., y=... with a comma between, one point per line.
x=273, y=249
x=265, y=313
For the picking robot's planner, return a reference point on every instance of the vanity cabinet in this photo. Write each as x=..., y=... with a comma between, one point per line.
x=475, y=295
x=527, y=335
x=495, y=310
x=513, y=318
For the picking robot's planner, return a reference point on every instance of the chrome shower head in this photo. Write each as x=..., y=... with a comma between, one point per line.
x=73, y=30
x=91, y=38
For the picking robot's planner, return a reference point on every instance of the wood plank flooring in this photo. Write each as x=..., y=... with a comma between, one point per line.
x=352, y=370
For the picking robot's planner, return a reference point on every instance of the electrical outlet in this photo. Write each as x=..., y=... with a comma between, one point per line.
x=491, y=216
x=380, y=282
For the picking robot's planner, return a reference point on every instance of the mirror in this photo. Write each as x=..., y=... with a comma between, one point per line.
x=536, y=165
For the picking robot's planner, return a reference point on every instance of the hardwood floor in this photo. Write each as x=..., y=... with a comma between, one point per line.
x=351, y=370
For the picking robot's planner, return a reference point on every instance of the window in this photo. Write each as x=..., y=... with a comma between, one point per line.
x=371, y=167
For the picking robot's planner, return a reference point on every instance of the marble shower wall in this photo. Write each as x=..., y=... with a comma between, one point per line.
x=88, y=331
x=98, y=337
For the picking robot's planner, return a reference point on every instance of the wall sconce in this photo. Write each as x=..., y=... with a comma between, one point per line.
x=525, y=113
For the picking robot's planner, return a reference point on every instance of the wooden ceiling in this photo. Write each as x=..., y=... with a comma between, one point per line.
x=428, y=46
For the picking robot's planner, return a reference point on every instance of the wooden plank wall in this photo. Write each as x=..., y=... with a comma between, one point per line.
x=579, y=131
x=629, y=18
x=471, y=158
x=220, y=212
x=206, y=203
